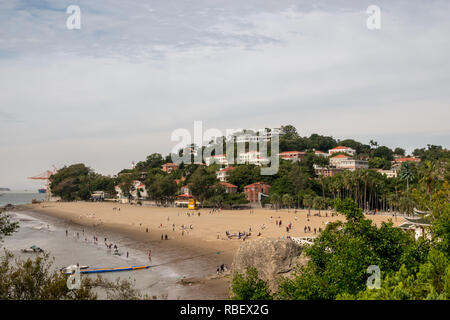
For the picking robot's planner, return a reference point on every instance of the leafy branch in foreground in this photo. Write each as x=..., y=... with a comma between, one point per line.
x=6, y=226
x=249, y=286
x=38, y=280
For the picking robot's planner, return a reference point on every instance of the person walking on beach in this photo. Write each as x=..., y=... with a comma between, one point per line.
x=67, y=232
x=149, y=255
x=127, y=254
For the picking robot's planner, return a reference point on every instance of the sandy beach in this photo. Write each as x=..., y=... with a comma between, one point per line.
x=203, y=230
x=197, y=241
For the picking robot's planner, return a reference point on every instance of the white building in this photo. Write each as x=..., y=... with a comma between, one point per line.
x=260, y=135
x=342, y=161
x=219, y=159
x=292, y=155
x=388, y=173
x=252, y=157
x=336, y=160
x=343, y=149
x=137, y=189
x=223, y=173
x=320, y=153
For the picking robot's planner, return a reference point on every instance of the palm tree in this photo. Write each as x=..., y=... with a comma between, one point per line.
x=287, y=200
x=319, y=203
x=406, y=173
x=275, y=200
x=429, y=171
x=308, y=201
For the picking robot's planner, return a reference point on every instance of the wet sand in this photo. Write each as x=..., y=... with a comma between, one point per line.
x=192, y=253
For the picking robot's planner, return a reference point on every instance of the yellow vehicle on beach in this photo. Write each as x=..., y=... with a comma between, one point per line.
x=192, y=204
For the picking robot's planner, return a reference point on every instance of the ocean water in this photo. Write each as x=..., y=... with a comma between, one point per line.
x=19, y=197
x=49, y=233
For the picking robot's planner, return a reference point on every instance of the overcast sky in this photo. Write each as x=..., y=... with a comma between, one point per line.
x=114, y=91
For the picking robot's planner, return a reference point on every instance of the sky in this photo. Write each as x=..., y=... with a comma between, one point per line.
x=113, y=91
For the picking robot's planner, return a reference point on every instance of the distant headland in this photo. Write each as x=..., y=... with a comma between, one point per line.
x=5, y=189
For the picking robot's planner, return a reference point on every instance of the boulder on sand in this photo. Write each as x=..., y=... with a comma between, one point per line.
x=271, y=257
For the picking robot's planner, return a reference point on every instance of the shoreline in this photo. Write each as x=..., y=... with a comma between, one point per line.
x=196, y=250
x=183, y=258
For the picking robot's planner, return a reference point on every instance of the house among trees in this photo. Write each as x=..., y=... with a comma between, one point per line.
x=223, y=173
x=253, y=191
x=320, y=153
x=397, y=163
x=137, y=191
x=169, y=167
x=252, y=157
x=229, y=188
x=342, y=149
x=185, y=190
x=342, y=161
x=219, y=159
x=418, y=224
x=292, y=155
x=388, y=173
x=326, y=171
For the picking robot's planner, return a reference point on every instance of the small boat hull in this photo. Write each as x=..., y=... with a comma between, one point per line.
x=103, y=270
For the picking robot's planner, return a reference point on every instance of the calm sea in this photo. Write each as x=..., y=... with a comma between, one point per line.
x=19, y=197
x=49, y=233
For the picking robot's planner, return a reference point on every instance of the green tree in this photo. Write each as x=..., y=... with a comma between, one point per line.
x=37, y=280
x=341, y=254
x=407, y=173
x=249, y=286
x=379, y=163
x=7, y=227
x=308, y=201
x=383, y=152
x=201, y=182
x=287, y=200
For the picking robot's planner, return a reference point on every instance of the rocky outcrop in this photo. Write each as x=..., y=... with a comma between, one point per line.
x=271, y=257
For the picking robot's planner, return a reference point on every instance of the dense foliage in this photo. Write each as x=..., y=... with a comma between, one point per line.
x=36, y=279
x=410, y=269
x=294, y=185
x=7, y=227
x=78, y=182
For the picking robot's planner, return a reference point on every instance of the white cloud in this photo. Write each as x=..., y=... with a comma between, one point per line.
x=114, y=91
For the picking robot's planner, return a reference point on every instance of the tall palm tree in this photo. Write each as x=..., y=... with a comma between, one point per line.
x=308, y=201
x=429, y=172
x=406, y=173
x=275, y=200
x=287, y=200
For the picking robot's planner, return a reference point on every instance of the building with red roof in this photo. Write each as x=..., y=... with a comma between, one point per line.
x=292, y=155
x=223, y=173
x=252, y=191
x=169, y=167
x=343, y=149
x=229, y=188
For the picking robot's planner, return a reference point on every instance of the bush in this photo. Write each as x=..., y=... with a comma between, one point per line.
x=250, y=286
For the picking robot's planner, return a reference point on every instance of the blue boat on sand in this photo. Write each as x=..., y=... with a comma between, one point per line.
x=102, y=270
